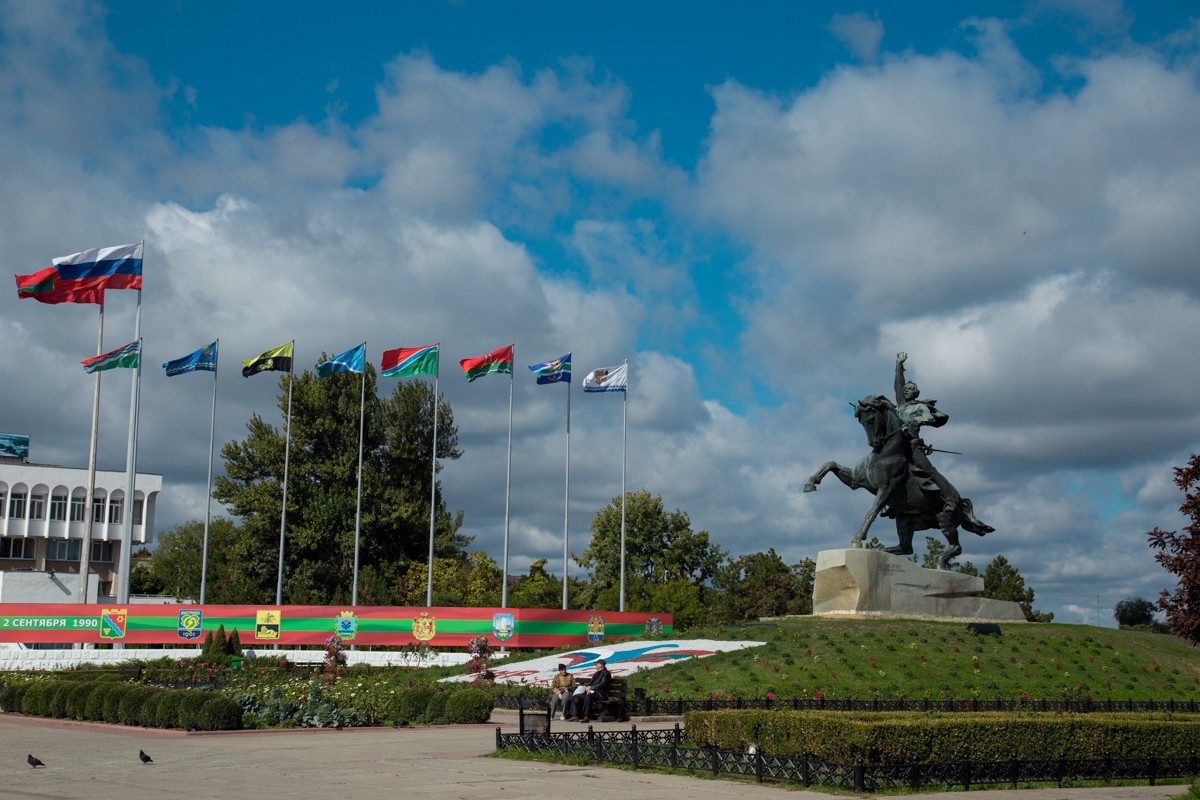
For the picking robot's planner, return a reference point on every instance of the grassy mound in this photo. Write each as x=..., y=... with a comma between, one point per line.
x=911, y=659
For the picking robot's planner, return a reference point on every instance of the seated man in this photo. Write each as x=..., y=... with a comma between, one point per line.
x=560, y=691
x=598, y=687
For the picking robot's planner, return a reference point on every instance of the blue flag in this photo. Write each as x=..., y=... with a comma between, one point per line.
x=556, y=371
x=353, y=360
x=204, y=359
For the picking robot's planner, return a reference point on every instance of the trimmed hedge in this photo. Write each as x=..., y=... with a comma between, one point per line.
x=414, y=704
x=123, y=703
x=10, y=696
x=55, y=702
x=190, y=706
x=77, y=699
x=467, y=706
x=219, y=713
x=435, y=712
x=902, y=737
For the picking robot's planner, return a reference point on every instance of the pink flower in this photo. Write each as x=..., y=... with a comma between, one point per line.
x=770, y=695
x=816, y=695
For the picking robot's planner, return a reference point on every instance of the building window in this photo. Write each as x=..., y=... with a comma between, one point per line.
x=62, y=550
x=138, y=506
x=16, y=506
x=104, y=588
x=114, y=512
x=102, y=552
x=37, y=506
x=16, y=548
x=78, y=504
x=98, y=509
x=58, y=507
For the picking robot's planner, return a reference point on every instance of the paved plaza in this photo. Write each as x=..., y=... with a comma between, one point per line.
x=93, y=761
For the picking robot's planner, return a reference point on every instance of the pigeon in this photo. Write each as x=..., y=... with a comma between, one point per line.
x=34, y=761
x=145, y=758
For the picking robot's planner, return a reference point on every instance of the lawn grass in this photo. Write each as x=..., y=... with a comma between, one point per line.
x=911, y=659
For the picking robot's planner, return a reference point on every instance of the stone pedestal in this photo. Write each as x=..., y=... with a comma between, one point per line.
x=874, y=583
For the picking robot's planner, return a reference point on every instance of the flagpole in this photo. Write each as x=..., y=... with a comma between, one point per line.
x=131, y=461
x=212, y=435
x=86, y=549
x=287, y=449
x=624, y=458
x=507, y=485
x=567, y=503
x=358, y=506
x=433, y=479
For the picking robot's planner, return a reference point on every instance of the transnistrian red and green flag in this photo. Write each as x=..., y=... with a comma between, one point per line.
x=45, y=286
x=500, y=360
x=404, y=362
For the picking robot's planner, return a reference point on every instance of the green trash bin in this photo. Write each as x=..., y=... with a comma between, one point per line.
x=235, y=664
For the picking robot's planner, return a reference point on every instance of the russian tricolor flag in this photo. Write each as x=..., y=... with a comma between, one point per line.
x=117, y=267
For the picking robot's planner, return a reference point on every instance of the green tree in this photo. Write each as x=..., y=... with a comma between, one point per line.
x=660, y=549
x=762, y=585
x=1002, y=581
x=323, y=485
x=1133, y=611
x=1179, y=554
x=177, y=562
x=537, y=589
x=933, y=554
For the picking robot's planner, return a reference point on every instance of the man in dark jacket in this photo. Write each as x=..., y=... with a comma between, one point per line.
x=598, y=687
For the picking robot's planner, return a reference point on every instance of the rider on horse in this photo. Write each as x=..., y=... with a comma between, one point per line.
x=915, y=414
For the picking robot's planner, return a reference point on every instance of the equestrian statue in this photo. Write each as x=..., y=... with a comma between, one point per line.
x=906, y=485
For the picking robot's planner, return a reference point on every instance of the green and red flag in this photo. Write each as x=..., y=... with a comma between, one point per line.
x=46, y=286
x=497, y=361
x=404, y=362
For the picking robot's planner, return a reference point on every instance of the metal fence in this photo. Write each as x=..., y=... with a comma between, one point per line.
x=668, y=749
x=645, y=706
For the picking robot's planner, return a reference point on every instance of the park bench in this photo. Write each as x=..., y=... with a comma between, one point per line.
x=130, y=672
x=614, y=708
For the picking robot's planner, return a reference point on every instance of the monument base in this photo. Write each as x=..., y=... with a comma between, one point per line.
x=872, y=583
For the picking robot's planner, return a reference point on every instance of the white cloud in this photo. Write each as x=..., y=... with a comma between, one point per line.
x=861, y=34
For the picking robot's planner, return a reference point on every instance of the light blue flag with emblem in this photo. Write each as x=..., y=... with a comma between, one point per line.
x=556, y=371
x=353, y=360
x=204, y=360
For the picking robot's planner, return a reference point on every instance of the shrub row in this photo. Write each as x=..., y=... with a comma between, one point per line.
x=428, y=705
x=329, y=708
x=123, y=703
x=894, y=738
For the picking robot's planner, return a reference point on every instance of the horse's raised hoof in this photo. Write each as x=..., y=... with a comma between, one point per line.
x=950, y=554
x=810, y=487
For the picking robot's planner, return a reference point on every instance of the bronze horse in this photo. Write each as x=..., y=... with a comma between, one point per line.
x=910, y=497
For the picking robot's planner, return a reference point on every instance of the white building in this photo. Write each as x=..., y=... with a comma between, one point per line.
x=43, y=522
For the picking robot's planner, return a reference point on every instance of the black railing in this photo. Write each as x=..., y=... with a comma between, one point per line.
x=669, y=749
x=645, y=706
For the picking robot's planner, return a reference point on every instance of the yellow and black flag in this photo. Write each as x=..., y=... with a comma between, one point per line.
x=278, y=359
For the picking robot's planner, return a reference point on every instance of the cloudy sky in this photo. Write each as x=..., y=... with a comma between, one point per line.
x=758, y=210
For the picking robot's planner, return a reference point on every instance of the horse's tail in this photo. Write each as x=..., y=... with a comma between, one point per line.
x=970, y=522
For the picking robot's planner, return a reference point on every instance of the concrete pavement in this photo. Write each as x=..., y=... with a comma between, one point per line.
x=91, y=761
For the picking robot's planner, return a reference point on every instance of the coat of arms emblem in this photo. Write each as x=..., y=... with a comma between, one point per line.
x=266, y=624
x=190, y=620
x=424, y=627
x=503, y=626
x=595, y=628
x=347, y=625
x=112, y=622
